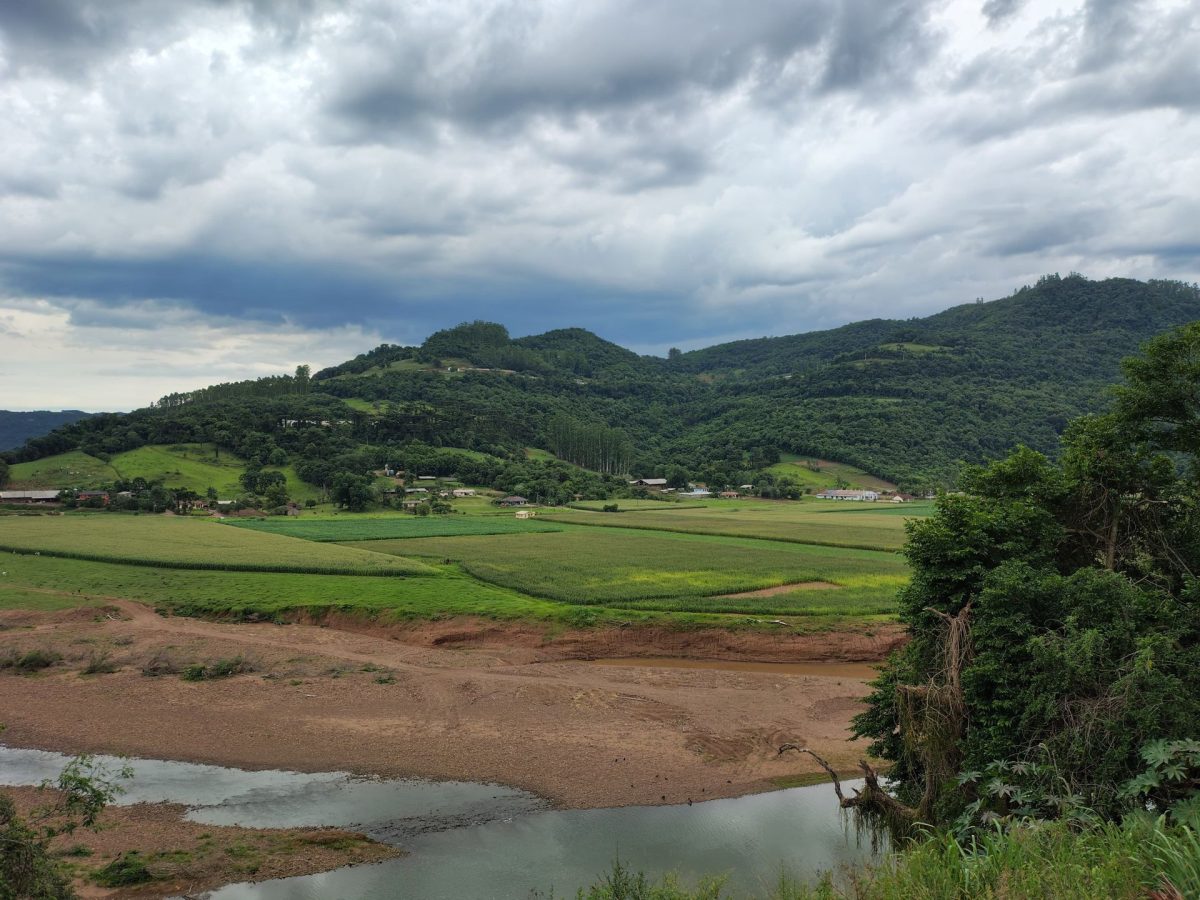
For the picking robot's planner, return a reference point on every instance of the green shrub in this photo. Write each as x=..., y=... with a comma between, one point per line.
x=33, y=661
x=127, y=869
x=221, y=668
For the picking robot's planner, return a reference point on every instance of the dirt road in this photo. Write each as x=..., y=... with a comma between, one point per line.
x=461, y=700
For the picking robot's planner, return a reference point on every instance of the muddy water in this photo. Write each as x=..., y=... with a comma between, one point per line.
x=858, y=671
x=475, y=841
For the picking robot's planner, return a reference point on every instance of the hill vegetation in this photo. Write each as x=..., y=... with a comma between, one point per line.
x=907, y=402
x=18, y=427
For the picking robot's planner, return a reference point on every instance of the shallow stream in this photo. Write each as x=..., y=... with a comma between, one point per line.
x=474, y=841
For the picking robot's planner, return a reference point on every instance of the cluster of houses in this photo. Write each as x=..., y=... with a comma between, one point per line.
x=865, y=496
x=694, y=491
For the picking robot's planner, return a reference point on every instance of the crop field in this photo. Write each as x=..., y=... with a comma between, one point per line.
x=874, y=526
x=51, y=583
x=649, y=570
x=394, y=527
x=626, y=505
x=190, y=544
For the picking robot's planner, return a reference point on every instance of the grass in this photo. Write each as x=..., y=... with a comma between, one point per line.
x=636, y=505
x=188, y=543
x=74, y=469
x=395, y=527
x=194, y=466
x=1051, y=860
x=649, y=570
x=820, y=522
x=801, y=470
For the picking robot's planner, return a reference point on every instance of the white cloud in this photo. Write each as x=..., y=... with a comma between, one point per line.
x=75, y=354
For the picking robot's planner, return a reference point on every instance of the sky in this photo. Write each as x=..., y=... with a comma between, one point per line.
x=197, y=191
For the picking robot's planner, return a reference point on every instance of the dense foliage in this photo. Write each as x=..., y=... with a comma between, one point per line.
x=1055, y=612
x=905, y=400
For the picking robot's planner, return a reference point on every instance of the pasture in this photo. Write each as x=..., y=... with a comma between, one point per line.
x=872, y=526
x=194, y=466
x=819, y=474
x=75, y=469
x=682, y=572
x=356, y=528
x=176, y=542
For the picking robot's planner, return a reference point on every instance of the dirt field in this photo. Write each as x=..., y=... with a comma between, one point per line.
x=188, y=858
x=461, y=699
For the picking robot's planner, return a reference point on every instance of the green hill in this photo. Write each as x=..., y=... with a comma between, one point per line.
x=902, y=401
x=18, y=427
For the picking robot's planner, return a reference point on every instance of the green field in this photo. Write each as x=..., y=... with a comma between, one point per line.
x=66, y=470
x=629, y=505
x=194, y=466
x=872, y=526
x=176, y=542
x=353, y=528
x=801, y=470
x=649, y=570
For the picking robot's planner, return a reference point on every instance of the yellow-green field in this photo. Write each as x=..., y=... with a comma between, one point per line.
x=674, y=564
x=648, y=570
x=188, y=543
x=873, y=526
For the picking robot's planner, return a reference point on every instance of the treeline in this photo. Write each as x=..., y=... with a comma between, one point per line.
x=590, y=445
x=269, y=386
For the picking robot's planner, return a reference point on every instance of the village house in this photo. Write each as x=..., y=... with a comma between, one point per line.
x=514, y=501
x=463, y=492
x=869, y=496
x=729, y=495
x=525, y=513
x=650, y=484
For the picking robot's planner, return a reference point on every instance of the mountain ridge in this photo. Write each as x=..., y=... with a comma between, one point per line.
x=907, y=400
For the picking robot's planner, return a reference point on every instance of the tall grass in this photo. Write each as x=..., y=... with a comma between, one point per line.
x=1052, y=861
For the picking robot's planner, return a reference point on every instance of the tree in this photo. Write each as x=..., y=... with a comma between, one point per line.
x=27, y=866
x=352, y=492
x=303, y=379
x=1054, y=609
x=3, y=473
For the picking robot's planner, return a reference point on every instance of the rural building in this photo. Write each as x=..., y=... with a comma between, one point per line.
x=514, y=501
x=870, y=496
x=102, y=496
x=525, y=513
x=729, y=495
x=416, y=490
x=650, y=484
x=463, y=492
x=28, y=496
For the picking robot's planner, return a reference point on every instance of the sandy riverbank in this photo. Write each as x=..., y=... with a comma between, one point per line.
x=457, y=700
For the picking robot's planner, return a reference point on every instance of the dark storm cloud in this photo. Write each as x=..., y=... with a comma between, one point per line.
x=529, y=62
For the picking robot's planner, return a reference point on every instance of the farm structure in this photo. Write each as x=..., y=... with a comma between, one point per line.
x=868, y=496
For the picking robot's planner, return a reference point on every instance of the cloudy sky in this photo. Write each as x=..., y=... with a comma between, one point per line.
x=195, y=191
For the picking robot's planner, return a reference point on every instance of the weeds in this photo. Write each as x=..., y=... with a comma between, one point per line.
x=127, y=869
x=221, y=668
x=99, y=664
x=32, y=661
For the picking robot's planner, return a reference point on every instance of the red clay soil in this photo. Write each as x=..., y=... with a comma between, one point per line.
x=456, y=699
x=784, y=589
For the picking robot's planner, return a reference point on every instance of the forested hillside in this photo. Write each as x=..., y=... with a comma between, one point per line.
x=18, y=427
x=905, y=400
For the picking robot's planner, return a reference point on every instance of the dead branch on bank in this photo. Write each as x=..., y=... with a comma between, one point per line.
x=872, y=799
